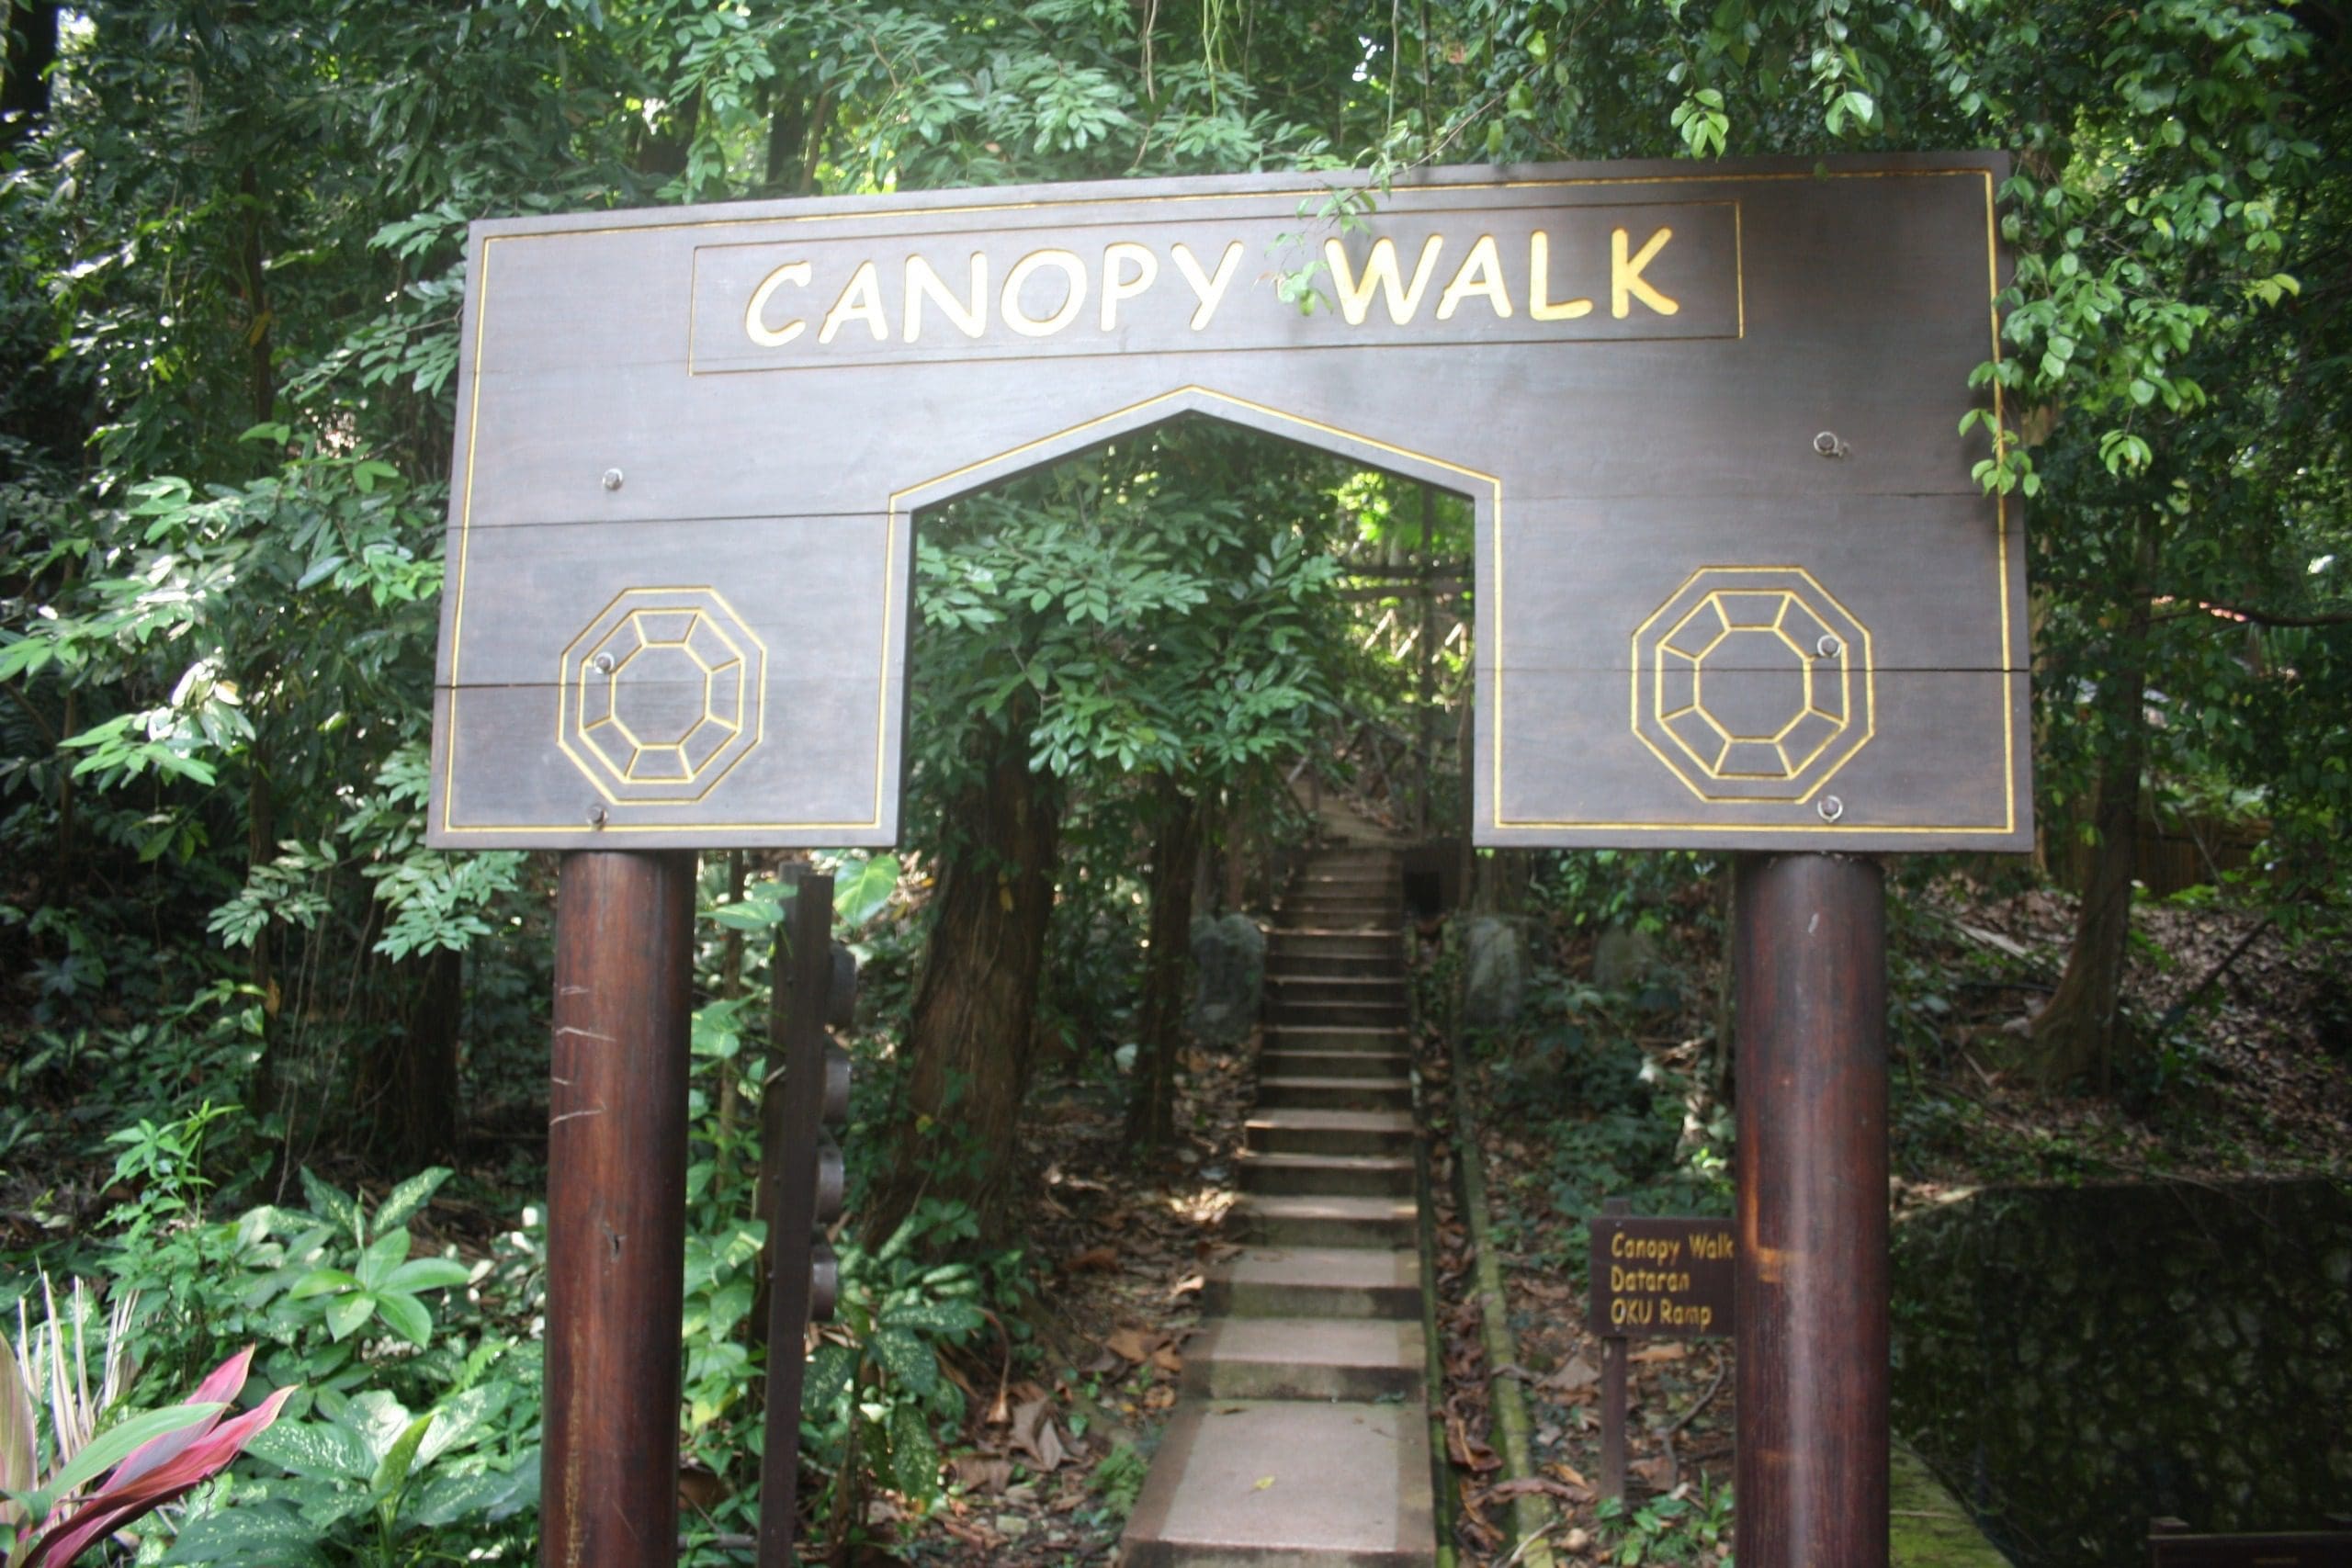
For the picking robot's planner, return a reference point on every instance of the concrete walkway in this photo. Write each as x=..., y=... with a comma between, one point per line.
x=1302, y=1436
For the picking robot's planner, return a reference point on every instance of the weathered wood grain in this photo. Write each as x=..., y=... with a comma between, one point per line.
x=629, y=420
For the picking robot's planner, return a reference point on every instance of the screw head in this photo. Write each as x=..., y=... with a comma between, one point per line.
x=605, y=664
x=1828, y=445
x=595, y=817
x=1831, y=808
x=1828, y=647
x=612, y=479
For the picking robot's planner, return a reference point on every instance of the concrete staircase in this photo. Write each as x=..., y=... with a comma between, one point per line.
x=1302, y=1436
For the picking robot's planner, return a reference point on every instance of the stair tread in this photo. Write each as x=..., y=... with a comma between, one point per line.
x=1336, y=1121
x=1334, y=1268
x=1328, y=1162
x=1315, y=1341
x=1350, y=1483
x=1324, y=1206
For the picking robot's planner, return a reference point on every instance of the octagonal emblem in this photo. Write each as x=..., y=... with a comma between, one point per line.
x=662, y=695
x=1752, y=685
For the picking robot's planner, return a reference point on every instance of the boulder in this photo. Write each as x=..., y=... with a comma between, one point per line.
x=1622, y=958
x=1494, y=972
x=1229, y=962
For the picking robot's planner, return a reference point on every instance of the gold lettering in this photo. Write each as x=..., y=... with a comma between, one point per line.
x=1481, y=272
x=971, y=318
x=1380, y=270
x=1539, y=285
x=861, y=300
x=1210, y=291
x=1027, y=325
x=1115, y=288
x=755, y=315
x=1625, y=276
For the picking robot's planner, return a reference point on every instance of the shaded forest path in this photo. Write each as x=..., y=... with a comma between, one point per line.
x=1302, y=1435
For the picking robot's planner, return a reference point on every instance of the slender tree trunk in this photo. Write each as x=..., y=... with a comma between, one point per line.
x=2080, y=1030
x=415, y=1075
x=976, y=1005
x=24, y=79
x=1160, y=1033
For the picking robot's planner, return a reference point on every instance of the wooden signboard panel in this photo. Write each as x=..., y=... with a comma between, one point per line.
x=1735, y=585
x=1661, y=1278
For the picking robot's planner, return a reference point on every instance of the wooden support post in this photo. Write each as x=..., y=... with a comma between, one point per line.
x=616, y=1205
x=1613, y=1351
x=1811, y=1316
x=791, y=1109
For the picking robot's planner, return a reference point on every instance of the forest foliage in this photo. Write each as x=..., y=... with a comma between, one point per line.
x=231, y=260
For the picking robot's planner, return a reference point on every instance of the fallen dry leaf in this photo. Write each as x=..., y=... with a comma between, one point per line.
x=1093, y=1260
x=1128, y=1344
x=981, y=1473
x=1034, y=1433
x=1575, y=1373
x=1671, y=1351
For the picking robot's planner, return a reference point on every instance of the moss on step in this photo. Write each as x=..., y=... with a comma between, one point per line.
x=1931, y=1530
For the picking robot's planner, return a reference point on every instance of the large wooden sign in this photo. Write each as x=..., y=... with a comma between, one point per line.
x=1735, y=585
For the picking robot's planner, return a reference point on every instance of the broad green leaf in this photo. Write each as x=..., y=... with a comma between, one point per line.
x=827, y=1379
x=331, y=1202
x=250, y=1535
x=907, y=1358
x=862, y=887
x=323, y=1450
x=322, y=1282
x=445, y=1501
x=392, y=1474
x=406, y=1315
x=428, y=1274
x=464, y=1418
x=387, y=1253
x=347, y=1313
x=948, y=1317
x=915, y=1456
x=404, y=1203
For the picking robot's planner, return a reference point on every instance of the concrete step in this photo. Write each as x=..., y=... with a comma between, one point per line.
x=1351, y=1038
x=1388, y=989
x=1306, y=1220
x=1315, y=1281
x=1289, y=1064
x=1330, y=1176
x=1314, y=939
x=1305, y=1485
x=1287, y=966
x=1319, y=1131
x=1305, y=1358
x=1336, y=1094
x=1336, y=1015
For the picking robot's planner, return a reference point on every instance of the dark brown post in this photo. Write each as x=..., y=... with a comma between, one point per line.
x=616, y=1204
x=791, y=1108
x=1811, y=1324
x=1613, y=1351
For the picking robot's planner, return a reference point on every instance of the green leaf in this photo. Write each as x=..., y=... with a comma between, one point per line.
x=387, y=1253
x=321, y=1450
x=406, y=1315
x=392, y=1474
x=915, y=1456
x=19, y=1452
x=862, y=887
x=404, y=1203
x=250, y=1534
x=951, y=1318
x=451, y=1498
x=908, y=1359
x=110, y=1450
x=322, y=1282
x=428, y=1274
x=827, y=1380
x=345, y=1313
x=331, y=1202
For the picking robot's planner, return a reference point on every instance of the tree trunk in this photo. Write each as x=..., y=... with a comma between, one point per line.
x=976, y=1005
x=1160, y=1033
x=23, y=80
x=413, y=1079
x=2081, y=1030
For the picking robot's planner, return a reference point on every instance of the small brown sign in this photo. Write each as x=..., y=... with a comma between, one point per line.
x=1661, y=1278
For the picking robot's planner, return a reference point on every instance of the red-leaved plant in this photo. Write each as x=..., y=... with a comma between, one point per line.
x=157, y=1458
